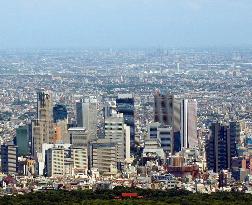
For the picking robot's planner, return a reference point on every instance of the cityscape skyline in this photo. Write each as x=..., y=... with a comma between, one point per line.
x=126, y=101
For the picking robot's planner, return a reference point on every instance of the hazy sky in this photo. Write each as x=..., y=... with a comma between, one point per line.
x=125, y=23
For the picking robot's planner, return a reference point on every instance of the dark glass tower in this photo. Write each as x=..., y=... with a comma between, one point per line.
x=22, y=140
x=221, y=146
x=59, y=112
x=125, y=105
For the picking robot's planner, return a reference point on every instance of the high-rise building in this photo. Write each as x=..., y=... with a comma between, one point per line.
x=78, y=136
x=163, y=109
x=117, y=131
x=125, y=105
x=221, y=146
x=9, y=159
x=44, y=106
x=164, y=134
x=181, y=115
x=79, y=156
x=61, y=132
x=86, y=114
x=59, y=113
x=60, y=119
x=55, y=161
x=22, y=140
x=104, y=155
x=176, y=123
x=41, y=157
x=42, y=127
x=80, y=113
x=188, y=127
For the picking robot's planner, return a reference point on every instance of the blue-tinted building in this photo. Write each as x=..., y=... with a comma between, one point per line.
x=125, y=105
x=22, y=140
x=59, y=112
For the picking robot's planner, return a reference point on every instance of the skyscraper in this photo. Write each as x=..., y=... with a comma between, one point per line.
x=80, y=113
x=125, y=105
x=188, y=125
x=176, y=123
x=42, y=127
x=163, y=109
x=181, y=115
x=59, y=113
x=44, y=106
x=86, y=113
x=221, y=146
x=22, y=140
x=117, y=131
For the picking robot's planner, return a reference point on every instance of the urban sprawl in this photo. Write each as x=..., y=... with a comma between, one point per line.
x=146, y=118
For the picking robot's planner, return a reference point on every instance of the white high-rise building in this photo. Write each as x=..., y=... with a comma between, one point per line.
x=55, y=162
x=188, y=126
x=117, y=131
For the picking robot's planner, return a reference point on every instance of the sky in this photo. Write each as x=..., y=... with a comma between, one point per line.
x=125, y=23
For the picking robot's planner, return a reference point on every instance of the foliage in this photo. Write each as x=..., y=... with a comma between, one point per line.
x=105, y=197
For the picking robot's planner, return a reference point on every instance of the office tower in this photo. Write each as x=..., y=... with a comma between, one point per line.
x=61, y=132
x=181, y=115
x=188, y=119
x=167, y=112
x=79, y=156
x=163, y=109
x=165, y=136
x=86, y=114
x=22, y=140
x=44, y=106
x=109, y=109
x=59, y=113
x=80, y=113
x=78, y=136
x=153, y=130
x=220, y=147
x=176, y=123
x=117, y=131
x=104, y=156
x=9, y=159
x=55, y=161
x=235, y=131
x=125, y=105
x=41, y=157
x=60, y=120
x=42, y=127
